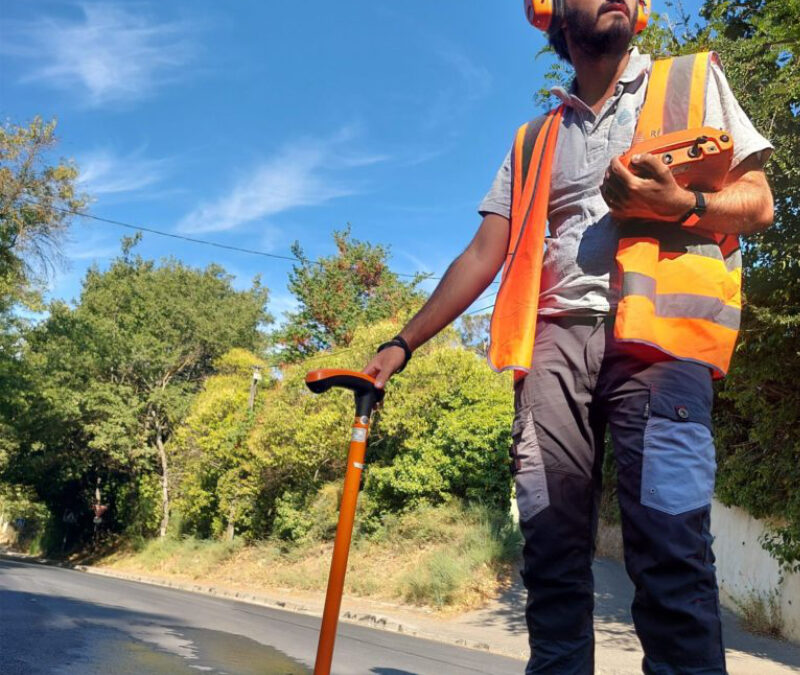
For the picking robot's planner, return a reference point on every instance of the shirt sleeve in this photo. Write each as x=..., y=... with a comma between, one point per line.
x=724, y=112
x=498, y=199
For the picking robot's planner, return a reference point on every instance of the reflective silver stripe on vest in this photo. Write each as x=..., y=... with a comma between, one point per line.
x=676, y=107
x=636, y=283
x=732, y=262
x=681, y=305
x=680, y=240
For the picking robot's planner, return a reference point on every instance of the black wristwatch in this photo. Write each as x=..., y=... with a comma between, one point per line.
x=691, y=219
x=398, y=341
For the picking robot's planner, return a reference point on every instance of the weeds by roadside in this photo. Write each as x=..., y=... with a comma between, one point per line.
x=448, y=557
x=760, y=614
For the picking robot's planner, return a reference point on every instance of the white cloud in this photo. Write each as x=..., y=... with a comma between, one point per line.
x=471, y=83
x=91, y=244
x=298, y=175
x=102, y=172
x=476, y=79
x=111, y=53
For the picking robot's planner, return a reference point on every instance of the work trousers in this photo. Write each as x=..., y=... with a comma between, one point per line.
x=658, y=411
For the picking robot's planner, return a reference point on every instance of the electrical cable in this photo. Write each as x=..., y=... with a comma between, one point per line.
x=194, y=240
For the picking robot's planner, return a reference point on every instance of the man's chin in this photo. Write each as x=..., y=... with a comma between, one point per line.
x=605, y=35
x=614, y=40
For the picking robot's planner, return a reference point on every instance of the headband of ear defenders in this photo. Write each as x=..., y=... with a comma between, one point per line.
x=546, y=15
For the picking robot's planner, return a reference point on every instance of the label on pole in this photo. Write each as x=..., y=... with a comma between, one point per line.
x=359, y=434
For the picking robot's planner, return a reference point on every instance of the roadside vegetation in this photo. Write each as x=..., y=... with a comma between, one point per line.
x=446, y=557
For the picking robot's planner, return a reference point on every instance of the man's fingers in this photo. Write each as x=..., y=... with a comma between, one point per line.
x=611, y=193
x=650, y=165
x=371, y=369
x=384, y=365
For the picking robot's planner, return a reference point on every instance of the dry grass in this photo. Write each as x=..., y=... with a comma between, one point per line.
x=449, y=558
x=760, y=614
x=609, y=540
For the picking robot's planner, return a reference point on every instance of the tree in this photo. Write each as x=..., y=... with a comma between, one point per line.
x=35, y=199
x=474, y=331
x=36, y=195
x=215, y=470
x=338, y=293
x=119, y=369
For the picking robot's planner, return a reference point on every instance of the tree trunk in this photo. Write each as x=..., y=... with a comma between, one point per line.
x=231, y=528
x=162, y=455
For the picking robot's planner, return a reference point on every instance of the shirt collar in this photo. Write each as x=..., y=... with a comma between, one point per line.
x=638, y=65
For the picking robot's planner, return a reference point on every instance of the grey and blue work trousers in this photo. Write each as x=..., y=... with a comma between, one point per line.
x=658, y=411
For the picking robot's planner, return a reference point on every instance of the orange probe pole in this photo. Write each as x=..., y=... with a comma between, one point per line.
x=341, y=545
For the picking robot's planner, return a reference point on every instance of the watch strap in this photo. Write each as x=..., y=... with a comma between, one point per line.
x=693, y=217
x=398, y=341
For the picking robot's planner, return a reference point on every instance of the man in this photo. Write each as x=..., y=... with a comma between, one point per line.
x=583, y=379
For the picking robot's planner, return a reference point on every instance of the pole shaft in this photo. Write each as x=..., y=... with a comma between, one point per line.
x=341, y=547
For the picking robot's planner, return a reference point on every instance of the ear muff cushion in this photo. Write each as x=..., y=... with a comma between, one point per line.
x=642, y=14
x=539, y=13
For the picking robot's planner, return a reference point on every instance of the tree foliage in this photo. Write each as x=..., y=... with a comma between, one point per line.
x=36, y=195
x=35, y=198
x=443, y=433
x=116, y=373
x=340, y=292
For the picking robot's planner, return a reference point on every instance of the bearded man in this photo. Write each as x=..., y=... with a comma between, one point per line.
x=587, y=375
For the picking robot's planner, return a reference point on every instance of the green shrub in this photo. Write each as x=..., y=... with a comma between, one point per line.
x=29, y=519
x=469, y=538
x=292, y=520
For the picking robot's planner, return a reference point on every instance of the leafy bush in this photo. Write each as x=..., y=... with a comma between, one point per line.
x=443, y=433
x=28, y=519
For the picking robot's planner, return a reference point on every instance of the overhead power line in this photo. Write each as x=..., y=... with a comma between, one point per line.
x=482, y=309
x=194, y=240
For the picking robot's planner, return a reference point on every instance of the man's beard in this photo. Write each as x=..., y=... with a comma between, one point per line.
x=583, y=32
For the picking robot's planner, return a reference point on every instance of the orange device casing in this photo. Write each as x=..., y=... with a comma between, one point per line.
x=699, y=158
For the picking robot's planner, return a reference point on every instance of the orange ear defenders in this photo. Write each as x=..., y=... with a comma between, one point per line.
x=546, y=15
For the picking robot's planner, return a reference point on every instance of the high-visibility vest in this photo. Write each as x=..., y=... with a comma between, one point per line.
x=680, y=289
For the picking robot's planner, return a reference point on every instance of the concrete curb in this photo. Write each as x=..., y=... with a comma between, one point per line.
x=370, y=620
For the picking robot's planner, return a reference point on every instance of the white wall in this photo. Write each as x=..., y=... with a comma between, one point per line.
x=743, y=567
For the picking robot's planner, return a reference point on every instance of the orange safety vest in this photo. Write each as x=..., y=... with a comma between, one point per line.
x=680, y=289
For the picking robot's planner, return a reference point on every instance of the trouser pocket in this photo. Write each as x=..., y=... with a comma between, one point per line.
x=527, y=466
x=678, y=463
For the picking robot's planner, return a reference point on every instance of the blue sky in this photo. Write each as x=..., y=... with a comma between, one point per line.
x=256, y=124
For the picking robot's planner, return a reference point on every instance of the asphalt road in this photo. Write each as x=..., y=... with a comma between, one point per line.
x=61, y=621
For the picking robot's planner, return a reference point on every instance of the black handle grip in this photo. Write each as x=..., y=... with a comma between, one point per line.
x=367, y=396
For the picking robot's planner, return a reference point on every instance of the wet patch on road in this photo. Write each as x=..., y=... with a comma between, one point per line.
x=172, y=650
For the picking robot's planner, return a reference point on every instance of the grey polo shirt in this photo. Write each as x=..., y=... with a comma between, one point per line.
x=582, y=237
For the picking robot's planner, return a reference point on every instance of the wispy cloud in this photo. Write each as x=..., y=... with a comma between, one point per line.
x=110, y=53
x=102, y=172
x=101, y=253
x=419, y=265
x=471, y=83
x=300, y=174
x=475, y=79
x=88, y=244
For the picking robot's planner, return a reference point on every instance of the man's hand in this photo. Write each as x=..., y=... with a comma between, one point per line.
x=649, y=192
x=384, y=364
